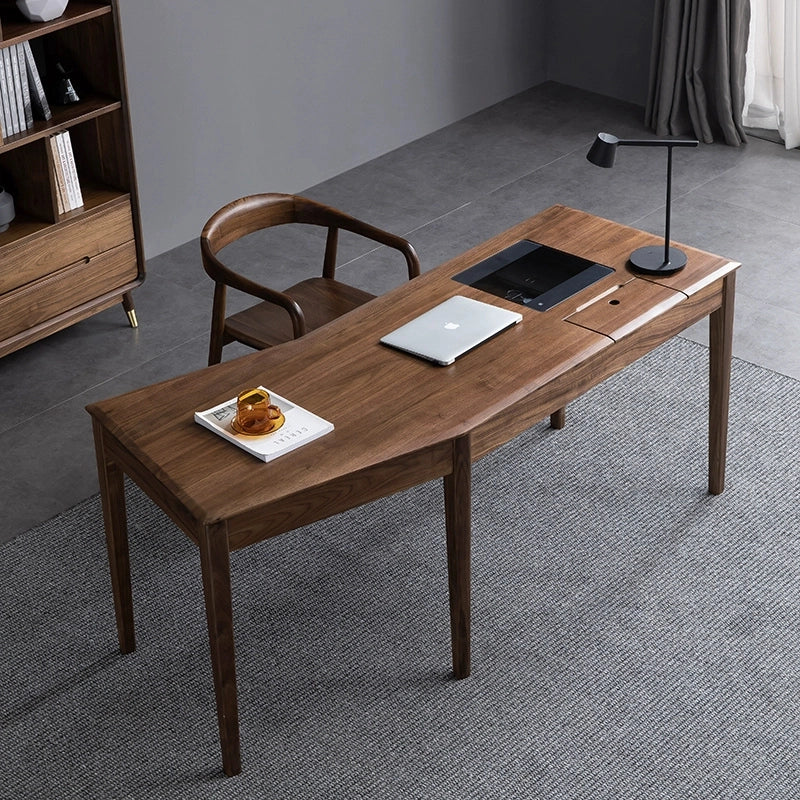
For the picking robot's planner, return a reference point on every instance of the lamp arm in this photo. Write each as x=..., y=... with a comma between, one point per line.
x=669, y=144
x=659, y=142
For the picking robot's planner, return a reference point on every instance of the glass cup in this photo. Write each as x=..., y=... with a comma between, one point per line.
x=254, y=413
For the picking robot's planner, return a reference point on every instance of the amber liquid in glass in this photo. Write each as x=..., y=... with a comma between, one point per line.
x=253, y=411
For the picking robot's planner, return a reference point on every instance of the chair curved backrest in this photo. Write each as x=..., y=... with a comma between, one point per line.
x=287, y=314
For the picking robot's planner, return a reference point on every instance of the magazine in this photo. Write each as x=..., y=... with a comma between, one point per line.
x=300, y=427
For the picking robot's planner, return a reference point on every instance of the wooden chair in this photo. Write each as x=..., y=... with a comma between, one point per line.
x=288, y=314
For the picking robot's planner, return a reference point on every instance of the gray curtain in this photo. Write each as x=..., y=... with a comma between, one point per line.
x=697, y=69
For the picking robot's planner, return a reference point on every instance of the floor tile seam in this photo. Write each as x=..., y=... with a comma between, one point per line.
x=199, y=285
x=538, y=168
x=460, y=207
x=715, y=196
x=759, y=301
x=485, y=194
x=71, y=398
x=721, y=174
x=407, y=234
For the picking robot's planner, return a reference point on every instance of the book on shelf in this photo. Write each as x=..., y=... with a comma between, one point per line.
x=5, y=109
x=4, y=118
x=9, y=95
x=58, y=174
x=19, y=95
x=71, y=173
x=25, y=84
x=22, y=94
x=68, y=188
x=300, y=427
x=41, y=107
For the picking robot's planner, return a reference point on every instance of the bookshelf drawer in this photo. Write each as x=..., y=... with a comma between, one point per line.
x=66, y=289
x=58, y=246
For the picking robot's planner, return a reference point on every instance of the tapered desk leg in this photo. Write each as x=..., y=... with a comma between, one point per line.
x=458, y=512
x=215, y=561
x=721, y=350
x=558, y=419
x=112, y=496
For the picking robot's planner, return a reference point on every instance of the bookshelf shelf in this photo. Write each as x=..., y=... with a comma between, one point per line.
x=14, y=27
x=63, y=118
x=66, y=265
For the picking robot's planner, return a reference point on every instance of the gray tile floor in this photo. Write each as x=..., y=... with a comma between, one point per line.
x=445, y=192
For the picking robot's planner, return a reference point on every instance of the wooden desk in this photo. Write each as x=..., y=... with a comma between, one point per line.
x=224, y=499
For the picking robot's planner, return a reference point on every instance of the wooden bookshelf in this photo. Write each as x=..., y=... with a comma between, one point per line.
x=57, y=268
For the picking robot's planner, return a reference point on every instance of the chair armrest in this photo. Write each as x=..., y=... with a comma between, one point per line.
x=317, y=214
x=219, y=273
x=390, y=240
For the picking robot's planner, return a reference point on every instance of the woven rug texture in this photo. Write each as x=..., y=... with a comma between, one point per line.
x=633, y=636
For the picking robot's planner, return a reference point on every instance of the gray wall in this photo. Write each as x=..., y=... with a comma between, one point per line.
x=277, y=95
x=601, y=46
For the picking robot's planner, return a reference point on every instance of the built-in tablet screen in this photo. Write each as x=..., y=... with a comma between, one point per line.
x=533, y=275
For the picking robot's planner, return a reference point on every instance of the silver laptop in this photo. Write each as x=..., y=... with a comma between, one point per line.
x=451, y=329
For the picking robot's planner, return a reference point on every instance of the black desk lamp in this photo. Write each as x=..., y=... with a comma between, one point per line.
x=654, y=260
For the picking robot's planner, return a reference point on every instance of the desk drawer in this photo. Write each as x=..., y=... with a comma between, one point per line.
x=66, y=289
x=625, y=309
x=66, y=243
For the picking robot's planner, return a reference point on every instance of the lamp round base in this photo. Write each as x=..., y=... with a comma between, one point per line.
x=651, y=260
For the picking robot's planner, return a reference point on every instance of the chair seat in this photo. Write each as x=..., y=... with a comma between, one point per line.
x=322, y=300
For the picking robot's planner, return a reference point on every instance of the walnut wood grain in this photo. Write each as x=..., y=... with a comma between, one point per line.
x=43, y=287
x=53, y=248
x=399, y=420
x=721, y=349
x=458, y=514
x=17, y=28
x=112, y=494
x=66, y=318
x=77, y=284
x=322, y=300
x=216, y=570
x=289, y=313
x=626, y=308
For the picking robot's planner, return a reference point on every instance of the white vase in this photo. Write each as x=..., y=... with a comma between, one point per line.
x=42, y=10
x=6, y=209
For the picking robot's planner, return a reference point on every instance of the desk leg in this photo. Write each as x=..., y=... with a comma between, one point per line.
x=458, y=511
x=215, y=561
x=558, y=419
x=721, y=349
x=112, y=496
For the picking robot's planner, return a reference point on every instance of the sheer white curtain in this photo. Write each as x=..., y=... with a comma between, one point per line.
x=772, y=76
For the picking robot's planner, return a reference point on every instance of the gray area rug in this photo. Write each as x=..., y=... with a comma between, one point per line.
x=633, y=637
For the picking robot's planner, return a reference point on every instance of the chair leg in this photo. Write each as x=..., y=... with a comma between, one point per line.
x=214, y=350
x=217, y=341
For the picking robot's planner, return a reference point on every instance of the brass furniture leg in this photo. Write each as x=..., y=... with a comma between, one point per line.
x=127, y=304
